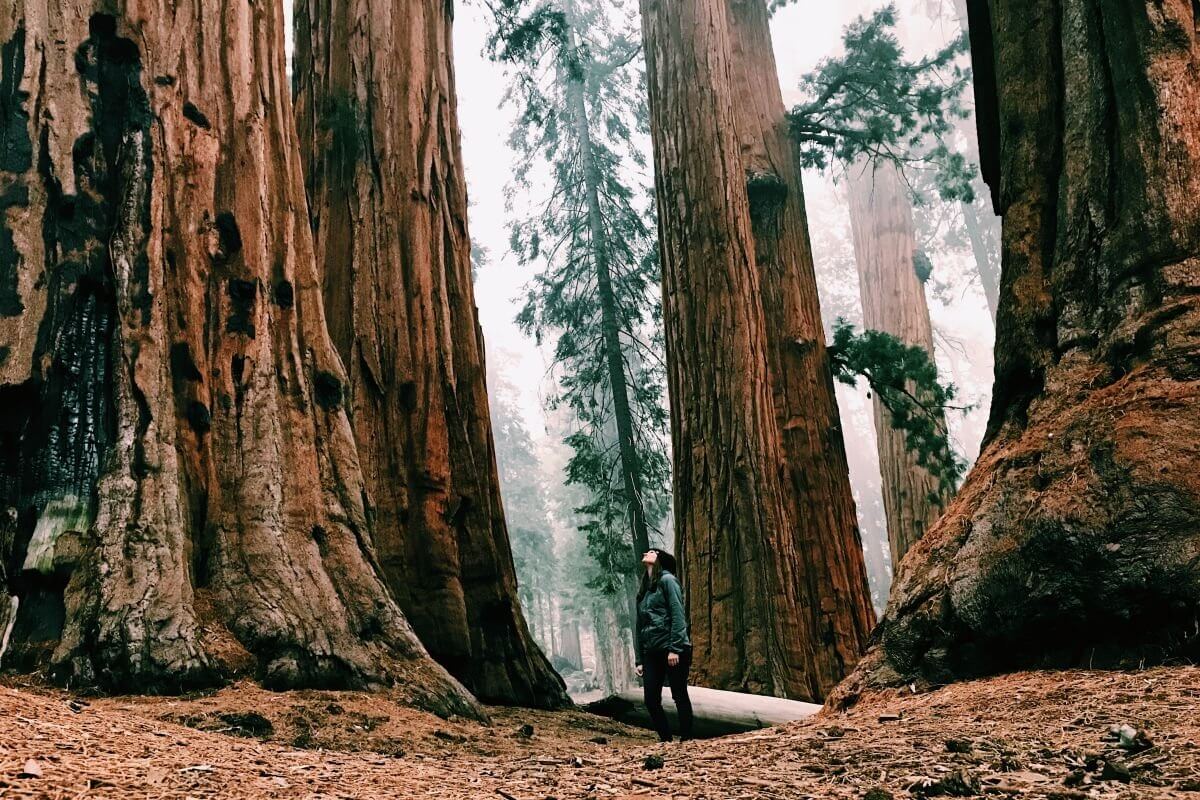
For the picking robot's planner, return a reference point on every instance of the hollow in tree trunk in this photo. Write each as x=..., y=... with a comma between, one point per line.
x=378, y=122
x=1075, y=538
x=893, y=301
x=175, y=442
x=825, y=536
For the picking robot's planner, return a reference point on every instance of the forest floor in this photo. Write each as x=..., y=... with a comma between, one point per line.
x=1028, y=735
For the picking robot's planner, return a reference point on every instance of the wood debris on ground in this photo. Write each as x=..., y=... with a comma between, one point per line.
x=1051, y=735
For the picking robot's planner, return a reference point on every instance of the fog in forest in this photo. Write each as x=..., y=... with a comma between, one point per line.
x=553, y=562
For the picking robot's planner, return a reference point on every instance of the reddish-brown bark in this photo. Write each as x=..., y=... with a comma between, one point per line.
x=893, y=301
x=377, y=115
x=175, y=426
x=1075, y=537
x=747, y=594
x=825, y=536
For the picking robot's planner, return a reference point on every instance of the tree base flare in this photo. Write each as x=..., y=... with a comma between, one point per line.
x=1075, y=544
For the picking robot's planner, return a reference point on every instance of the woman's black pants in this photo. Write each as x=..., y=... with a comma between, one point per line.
x=656, y=673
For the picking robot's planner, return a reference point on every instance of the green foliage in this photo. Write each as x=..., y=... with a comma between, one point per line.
x=577, y=84
x=922, y=265
x=905, y=379
x=876, y=104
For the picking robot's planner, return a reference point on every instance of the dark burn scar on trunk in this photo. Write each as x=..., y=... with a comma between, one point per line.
x=16, y=157
x=183, y=366
x=229, y=237
x=199, y=417
x=285, y=296
x=328, y=390
x=408, y=396
x=195, y=115
x=242, y=294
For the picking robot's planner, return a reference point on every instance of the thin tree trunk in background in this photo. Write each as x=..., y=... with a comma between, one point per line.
x=572, y=650
x=174, y=424
x=1073, y=540
x=826, y=536
x=893, y=301
x=610, y=324
x=376, y=111
x=748, y=599
x=989, y=273
x=987, y=263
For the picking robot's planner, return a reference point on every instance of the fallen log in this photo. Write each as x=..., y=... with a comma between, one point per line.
x=716, y=712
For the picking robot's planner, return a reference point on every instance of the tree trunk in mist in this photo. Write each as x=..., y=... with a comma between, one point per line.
x=614, y=353
x=989, y=273
x=572, y=649
x=614, y=656
x=826, y=537
x=985, y=262
x=377, y=115
x=893, y=301
x=747, y=594
x=1075, y=538
x=175, y=447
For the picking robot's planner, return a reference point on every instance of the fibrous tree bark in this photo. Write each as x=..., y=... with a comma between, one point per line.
x=817, y=485
x=1076, y=537
x=175, y=444
x=747, y=596
x=893, y=301
x=377, y=116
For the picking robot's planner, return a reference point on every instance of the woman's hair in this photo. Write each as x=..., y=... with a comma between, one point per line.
x=664, y=563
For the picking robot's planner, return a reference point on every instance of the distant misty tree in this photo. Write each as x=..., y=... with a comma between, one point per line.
x=888, y=123
x=525, y=502
x=578, y=89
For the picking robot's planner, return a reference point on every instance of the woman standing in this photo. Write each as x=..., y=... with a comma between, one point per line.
x=664, y=649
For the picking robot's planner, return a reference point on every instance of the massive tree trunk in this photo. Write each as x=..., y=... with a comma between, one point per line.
x=1076, y=537
x=893, y=301
x=378, y=123
x=826, y=537
x=175, y=445
x=746, y=589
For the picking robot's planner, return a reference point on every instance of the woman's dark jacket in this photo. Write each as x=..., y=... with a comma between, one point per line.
x=661, y=623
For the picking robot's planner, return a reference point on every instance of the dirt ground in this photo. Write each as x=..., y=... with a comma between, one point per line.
x=1030, y=735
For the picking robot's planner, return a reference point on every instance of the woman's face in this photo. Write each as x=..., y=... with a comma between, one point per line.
x=650, y=559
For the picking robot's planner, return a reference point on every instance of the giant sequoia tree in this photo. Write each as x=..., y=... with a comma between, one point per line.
x=1075, y=539
x=817, y=485
x=748, y=590
x=893, y=302
x=379, y=127
x=186, y=491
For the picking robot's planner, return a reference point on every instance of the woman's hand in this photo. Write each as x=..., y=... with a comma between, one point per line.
x=672, y=659
x=638, y=670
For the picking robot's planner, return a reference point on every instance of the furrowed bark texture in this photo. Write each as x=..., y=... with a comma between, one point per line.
x=817, y=482
x=893, y=301
x=746, y=592
x=175, y=446
x=378, y=123
x=1077, y=536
